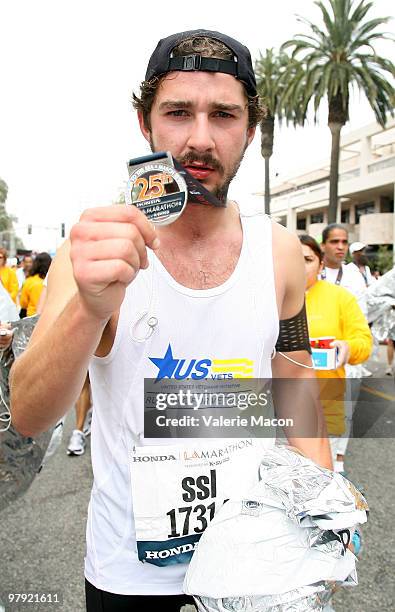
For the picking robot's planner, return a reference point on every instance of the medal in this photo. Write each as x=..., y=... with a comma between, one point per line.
x=160, y=187
x=156, y=188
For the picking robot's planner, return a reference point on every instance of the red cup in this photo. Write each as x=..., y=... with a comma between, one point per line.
x=322, y=343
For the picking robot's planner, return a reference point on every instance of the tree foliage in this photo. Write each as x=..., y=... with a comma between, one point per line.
x=271, y=70
x=338, y=56
x=383, y=260
x=3, y=191
x=6, y=220
x=341, y=55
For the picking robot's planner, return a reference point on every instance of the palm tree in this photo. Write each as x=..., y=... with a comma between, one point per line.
x=270, y=70
x=337, y=57
x=3, y=191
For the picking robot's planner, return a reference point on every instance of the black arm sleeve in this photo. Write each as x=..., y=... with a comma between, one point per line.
x=294, y=334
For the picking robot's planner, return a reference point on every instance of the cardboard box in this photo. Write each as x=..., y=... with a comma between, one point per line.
x=324, y=359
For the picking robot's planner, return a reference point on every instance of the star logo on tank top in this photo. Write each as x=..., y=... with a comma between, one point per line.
x=198, y=369
x=166, y=364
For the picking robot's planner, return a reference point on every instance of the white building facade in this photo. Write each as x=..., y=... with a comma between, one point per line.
x=366, y=190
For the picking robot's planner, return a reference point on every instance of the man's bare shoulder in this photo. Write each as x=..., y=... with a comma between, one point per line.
x=285, y=243
x=289, y=271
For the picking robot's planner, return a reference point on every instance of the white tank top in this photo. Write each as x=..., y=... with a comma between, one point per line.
x=236, y=321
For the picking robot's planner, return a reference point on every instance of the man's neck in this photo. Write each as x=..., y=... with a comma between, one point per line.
x=200, y=223
x=333, y=266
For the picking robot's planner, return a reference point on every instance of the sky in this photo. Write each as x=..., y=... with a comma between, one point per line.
x=68, y=70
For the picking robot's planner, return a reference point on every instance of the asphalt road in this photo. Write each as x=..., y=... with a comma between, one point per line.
x=43, y=533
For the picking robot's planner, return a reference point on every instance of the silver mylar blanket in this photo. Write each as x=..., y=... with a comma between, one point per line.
x=381, y=306
x=283, y=546
x=20, y=457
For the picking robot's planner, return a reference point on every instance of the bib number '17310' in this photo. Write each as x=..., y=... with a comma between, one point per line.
x=178, y=489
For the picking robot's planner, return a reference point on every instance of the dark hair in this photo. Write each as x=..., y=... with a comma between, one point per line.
x=3, y=252
x=41, y=265
x=313, y=244
x=327, y=230
x=206, y=47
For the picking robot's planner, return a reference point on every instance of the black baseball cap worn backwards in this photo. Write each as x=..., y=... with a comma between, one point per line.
x=162, y=60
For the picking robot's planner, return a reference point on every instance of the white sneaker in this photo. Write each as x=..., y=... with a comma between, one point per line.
x=77, y=443
x=366, y=372
x=388, y=371
x=87, y=423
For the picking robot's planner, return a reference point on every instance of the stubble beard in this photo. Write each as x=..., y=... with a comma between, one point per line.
x=332, y=261
x=220, y=191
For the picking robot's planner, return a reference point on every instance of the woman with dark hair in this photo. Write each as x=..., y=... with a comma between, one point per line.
x=33, y=285
x=333, y=311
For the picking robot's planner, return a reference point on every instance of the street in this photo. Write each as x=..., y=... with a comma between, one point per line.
x=43, y=533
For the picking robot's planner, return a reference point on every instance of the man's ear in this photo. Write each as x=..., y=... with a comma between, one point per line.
x=144, y=130
x=250, y=135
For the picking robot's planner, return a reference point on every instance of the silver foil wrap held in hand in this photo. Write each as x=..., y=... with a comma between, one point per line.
x=20, y=457
x=283, y=547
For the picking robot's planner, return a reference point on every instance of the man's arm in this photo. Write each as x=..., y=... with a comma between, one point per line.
x=86, y=286
x=298, y=396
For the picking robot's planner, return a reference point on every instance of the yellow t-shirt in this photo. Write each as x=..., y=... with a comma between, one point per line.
x=334, y=311
x=9, y=280
x=31, y=292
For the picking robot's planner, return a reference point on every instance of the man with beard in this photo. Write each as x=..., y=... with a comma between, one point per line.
x=335, y=246
x=211, y=295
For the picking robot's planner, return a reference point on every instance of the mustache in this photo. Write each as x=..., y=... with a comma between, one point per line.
x=205, y=159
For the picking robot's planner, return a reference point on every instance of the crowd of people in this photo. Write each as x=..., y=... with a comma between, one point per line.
x=23, y=278
x=336, y=307
x=330, y=312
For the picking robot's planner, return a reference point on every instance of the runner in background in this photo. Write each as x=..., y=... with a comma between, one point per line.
x=33, y=286
x=334, y=311
x=390, y=353
x=335, y=246
x=360, y=262
x=83, y=415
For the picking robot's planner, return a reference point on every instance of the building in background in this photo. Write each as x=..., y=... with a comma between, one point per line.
x=366, y=190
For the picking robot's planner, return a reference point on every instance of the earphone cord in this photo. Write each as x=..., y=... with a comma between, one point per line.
x=302, y=365
x=152, y=322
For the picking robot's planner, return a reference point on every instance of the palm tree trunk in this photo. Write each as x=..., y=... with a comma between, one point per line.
x=267, y=185
x=337, y=117
x=335, y=129
x=267, y=134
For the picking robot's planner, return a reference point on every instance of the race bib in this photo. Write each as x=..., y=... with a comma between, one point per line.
x=178, y=489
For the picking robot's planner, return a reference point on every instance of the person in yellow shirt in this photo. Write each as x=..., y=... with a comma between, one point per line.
x=33, y=285
x=334, y=311
x=8, y=276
